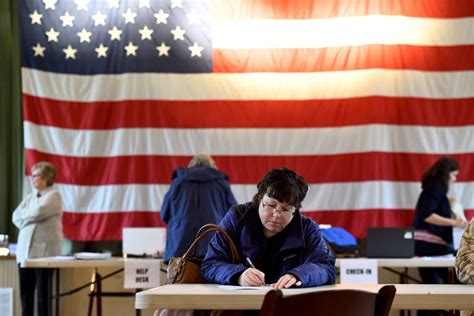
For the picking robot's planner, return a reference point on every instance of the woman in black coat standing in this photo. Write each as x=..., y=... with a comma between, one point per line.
x=433, y=221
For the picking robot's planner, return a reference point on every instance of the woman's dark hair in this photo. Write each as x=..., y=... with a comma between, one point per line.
x=284, y=185
x=440, y=171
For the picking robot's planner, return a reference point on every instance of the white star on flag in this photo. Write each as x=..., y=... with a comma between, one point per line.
x=146, y=33
x=52, y=35
x=195, y=50
x=67, y=19
x=178, y=33
x=144, y=3
x=84, y=36
x=99, y=18
x=115, y=34
x=70, y=52
x=163, y=49
x=101, y=51
x=129, y=16
x=113, y=4
x=161, y=17
x=50, y=4
x=82, y=4
x=39, y=50
x=176, y=4
x=193, y=17
x=36, y=17
x=131, y=49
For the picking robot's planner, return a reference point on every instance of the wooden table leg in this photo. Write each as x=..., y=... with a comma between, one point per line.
x=99, y=294
x=91, y=292
x=57, y=279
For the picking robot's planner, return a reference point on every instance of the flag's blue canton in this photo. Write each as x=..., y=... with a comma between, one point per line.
x=147, y=58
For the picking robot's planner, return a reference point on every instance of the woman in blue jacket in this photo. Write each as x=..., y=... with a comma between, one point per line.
x=198, y=195
x=277, y=244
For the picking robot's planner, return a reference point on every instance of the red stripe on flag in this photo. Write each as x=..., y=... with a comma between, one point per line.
x=405, y=57
x=248, y=114
x=469, y=214
x=248, y=169
x=103, y=226
x=106, y=226
x=311, y=9
x=142, y=169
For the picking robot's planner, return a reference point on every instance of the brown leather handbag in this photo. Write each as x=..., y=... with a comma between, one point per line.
x=187, y=269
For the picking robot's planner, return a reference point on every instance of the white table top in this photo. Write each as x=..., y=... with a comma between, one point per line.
x=55, y=262
x=118, y=262
x=415, y=262
x=212, y=296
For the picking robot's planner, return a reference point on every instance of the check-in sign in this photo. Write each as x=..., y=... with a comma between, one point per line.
x=359, y=271
x=141, y=273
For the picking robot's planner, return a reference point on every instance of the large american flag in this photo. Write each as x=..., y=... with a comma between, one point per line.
x=357, y=96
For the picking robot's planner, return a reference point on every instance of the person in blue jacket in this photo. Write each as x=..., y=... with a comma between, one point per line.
x=198, y=195
x=277, y=244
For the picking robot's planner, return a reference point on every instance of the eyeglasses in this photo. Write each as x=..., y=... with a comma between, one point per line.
x=273, y=206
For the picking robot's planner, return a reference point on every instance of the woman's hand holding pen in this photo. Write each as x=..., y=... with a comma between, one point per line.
x=252, y=277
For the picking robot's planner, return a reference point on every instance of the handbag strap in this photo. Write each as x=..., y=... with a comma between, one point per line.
x=213, y=227
x=206, y=229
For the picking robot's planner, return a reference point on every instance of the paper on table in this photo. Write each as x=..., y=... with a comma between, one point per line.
x=448, y=256
x=62, y=258
x=457, y=236
x=92, y=255
x=238, y=287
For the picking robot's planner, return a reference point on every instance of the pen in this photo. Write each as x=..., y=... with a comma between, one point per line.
x=250, y=262
x=252, y=265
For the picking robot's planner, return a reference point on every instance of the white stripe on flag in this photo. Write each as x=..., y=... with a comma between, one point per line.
x=249, y=141
x=343, y=31
x=331, y=196
x=250, y=86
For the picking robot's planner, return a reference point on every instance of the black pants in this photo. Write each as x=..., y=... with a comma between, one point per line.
x=427, y=249
x=31, y=279
x=432, y=275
